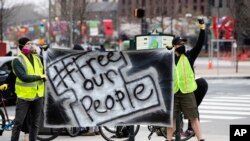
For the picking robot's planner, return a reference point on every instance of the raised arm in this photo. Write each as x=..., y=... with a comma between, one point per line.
x=194, y=52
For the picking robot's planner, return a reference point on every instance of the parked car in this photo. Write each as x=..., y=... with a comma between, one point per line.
x=5, y=69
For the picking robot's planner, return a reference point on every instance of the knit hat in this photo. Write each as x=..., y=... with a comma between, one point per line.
x=22, y=41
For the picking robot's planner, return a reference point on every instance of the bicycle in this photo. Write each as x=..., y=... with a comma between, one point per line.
x=5, y=123
x=47, y=134
x=122, y=133
x=117, y=134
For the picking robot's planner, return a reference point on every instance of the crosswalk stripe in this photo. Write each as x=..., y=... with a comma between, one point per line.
x=224, y=112
x=225, y=104
x=202, y=121
x=242, y=98
x=202, y=116
x=228, y=100
x=12, y=117
x=246, y=95
x=223, y=108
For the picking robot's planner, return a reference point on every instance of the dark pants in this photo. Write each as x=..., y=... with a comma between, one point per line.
x=22, y=108
x=199, y=93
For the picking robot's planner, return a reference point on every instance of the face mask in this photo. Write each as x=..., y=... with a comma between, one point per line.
x=181, y=49
x=26, y=50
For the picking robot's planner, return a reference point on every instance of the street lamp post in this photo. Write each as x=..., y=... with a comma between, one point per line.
x=49, y=40
x=71, y=24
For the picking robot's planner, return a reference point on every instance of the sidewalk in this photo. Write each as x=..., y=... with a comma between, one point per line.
x=221, y=69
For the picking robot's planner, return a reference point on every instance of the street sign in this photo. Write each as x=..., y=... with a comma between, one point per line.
x=153, y=41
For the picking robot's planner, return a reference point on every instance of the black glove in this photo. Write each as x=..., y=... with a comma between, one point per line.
x=201, y=20
x=169, y=47
x=201, y=23
x=44, y=47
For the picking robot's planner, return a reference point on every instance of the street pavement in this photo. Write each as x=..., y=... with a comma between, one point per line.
x=221, y=69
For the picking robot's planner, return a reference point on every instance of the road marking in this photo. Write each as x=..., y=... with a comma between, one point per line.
x=227, y=100
x=225, y=104
x=203, y=116
x=202, y=121
x=242, y=98
x=223, y=108
x=12, y=117
x=224, y=112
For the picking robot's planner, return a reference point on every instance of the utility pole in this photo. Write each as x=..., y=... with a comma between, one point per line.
x=71, y=24
x=49, y=40
x=162, y=16
x=143, y=20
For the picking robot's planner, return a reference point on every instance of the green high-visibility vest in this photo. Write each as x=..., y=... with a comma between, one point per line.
x=184, y=79
x=30, y=90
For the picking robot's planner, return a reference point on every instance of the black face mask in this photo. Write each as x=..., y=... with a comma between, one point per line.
x=181, y=49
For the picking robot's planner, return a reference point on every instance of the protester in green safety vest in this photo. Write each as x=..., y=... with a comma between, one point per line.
x=29, y=88
x=185, y=84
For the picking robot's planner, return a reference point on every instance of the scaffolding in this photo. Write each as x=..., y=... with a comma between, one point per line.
x=222, y=50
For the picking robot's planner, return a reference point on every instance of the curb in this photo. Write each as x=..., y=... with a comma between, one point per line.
x=224, y=77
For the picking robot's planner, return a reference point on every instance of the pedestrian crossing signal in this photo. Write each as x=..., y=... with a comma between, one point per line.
x=139, y=13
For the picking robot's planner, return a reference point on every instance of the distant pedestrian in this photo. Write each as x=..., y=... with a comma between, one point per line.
x=9, y=53
x=102, y=48
x=29, y=88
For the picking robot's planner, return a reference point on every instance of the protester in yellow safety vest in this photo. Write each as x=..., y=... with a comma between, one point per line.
x=185, y=84
x=29, y=88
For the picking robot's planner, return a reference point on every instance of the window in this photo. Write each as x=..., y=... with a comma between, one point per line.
x=202, y=10
x=180, y=10
x=220, y=3
x=195, y=8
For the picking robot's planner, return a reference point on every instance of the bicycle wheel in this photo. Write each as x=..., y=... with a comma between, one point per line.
x=73, y=131
x=48, y=134
x=109, y=133
x=2, y=122
x=163, y=132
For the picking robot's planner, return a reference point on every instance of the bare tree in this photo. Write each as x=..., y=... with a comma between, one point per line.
x=242, y=16
x=6, y=11
x=79, y=14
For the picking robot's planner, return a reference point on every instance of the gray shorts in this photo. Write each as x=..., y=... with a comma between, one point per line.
x=186, y=103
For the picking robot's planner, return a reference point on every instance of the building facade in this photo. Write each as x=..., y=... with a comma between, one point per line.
x=176, y=8
x=95, y=1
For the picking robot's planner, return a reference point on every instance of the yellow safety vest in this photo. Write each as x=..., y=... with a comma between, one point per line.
x=30, y=90
x=184, y=79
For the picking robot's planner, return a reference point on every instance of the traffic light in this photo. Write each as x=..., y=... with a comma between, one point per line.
x=139, y=13
x=212, y=2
